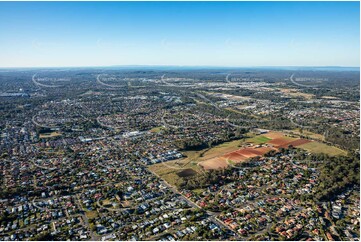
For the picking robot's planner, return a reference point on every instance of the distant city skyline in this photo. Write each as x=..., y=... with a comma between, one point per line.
x=220, y=34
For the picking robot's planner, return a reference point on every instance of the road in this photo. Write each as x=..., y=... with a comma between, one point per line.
x=93, y=237
x=212, y=215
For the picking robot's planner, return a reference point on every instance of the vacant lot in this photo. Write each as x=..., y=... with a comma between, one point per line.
x=233, y=157
x=214, y=164
x=168, y=170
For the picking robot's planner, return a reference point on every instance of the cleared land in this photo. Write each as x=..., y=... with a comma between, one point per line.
x=221, y=156
x=234, y=157
x=317, y=147
x=295, y=93
x=169, y=169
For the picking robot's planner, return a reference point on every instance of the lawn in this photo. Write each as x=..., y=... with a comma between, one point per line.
x=317, y=147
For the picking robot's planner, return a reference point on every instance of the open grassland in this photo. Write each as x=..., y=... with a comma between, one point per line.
x=317, y=147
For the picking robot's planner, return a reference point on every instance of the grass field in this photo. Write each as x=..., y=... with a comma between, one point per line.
x=317, y=147
x=260, y=139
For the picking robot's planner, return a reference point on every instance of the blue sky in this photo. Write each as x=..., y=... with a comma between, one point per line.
x=51, y=34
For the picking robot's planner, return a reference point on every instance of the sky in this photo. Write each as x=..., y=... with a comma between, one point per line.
x=234, y=34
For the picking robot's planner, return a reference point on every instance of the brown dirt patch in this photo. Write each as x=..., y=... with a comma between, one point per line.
x=261, y=150
x=247, y=152
x=214, y=163
x=297, y=143
x=278, y=142
x=234, y=156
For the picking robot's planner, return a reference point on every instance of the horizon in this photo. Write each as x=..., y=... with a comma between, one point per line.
x=195, y=34
x=181, y=66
